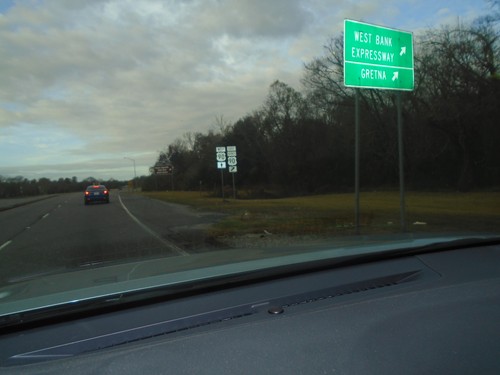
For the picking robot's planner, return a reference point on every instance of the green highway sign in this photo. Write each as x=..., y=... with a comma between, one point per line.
x=377, y=57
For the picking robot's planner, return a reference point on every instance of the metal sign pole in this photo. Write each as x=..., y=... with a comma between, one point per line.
x=222, y=182
x=356, y=159
x=401, y=164
x=234, y=187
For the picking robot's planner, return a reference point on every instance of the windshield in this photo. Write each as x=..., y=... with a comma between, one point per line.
x=145, y=144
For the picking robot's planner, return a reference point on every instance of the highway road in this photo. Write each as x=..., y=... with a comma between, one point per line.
x=61, y=233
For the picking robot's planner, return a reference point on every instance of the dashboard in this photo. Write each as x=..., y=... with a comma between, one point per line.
x=431, y=313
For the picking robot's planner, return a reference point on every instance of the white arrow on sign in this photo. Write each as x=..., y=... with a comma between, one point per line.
x=403, y=51
x=395, y=76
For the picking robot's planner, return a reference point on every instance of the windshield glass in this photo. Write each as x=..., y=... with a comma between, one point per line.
x=151, y=143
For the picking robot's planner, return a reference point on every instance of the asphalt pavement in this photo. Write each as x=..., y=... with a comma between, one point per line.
x=52, y=233
x=9, y=203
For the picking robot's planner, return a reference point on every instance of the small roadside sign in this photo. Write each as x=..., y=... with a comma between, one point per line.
x=226, y=157
x=220, y=155
x=163, y=169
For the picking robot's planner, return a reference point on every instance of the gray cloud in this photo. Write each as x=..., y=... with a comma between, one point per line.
x=257, y=18
x=127, y=77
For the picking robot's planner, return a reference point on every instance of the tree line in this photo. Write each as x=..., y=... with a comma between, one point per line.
x=14, y=187
x=302, y=142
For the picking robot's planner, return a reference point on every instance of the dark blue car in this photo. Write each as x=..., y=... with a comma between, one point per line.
x=96, y=193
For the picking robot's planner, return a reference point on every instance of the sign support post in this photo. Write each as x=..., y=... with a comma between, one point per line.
x=222, y=182
x=402, y=203
x=234, y=188
x=356, y=160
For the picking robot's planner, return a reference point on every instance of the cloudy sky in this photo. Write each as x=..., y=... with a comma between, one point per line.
x=84, y=85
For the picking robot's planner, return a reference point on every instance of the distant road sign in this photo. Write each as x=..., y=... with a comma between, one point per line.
x=226, y=158
x=377, y=57
x=221, y=157
x=163, y=170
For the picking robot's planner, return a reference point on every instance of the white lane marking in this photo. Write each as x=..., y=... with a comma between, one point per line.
x=44, y=216
x=168, y=244
x=5, y=244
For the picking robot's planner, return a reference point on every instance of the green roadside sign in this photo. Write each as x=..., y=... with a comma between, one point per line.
x=377, y=57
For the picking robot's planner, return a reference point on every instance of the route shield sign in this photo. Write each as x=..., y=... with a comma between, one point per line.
x=377, y=57
x=226, y=156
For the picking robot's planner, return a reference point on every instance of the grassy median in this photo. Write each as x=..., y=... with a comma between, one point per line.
x=333, y=214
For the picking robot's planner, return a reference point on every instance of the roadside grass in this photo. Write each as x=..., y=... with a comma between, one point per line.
x=333, y=214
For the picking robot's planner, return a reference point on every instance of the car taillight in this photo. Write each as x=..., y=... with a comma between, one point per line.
x=105, y=192
x=86, y=193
